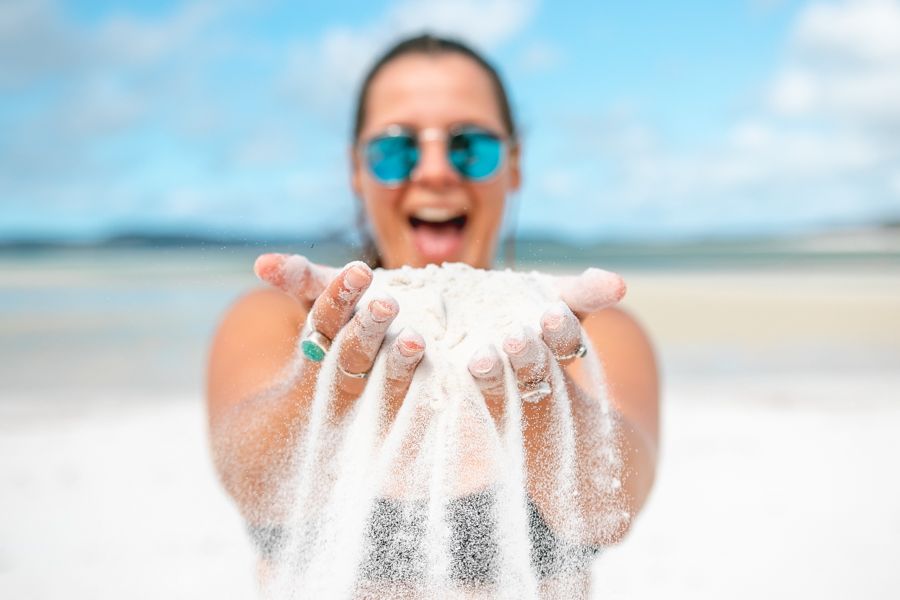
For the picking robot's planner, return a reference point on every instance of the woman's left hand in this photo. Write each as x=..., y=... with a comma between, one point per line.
x=560, y=339
x=531, y=355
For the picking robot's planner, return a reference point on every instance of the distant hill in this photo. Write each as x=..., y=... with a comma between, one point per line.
x=875, y=245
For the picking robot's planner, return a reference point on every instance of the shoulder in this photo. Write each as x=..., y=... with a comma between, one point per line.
x=616, y=329
x=261, y=307
x=255, y=338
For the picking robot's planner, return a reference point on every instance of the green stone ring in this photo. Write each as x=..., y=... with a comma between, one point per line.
x=315, y=346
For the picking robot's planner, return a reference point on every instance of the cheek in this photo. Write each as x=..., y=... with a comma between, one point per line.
x=490, y=201
x=381, y=205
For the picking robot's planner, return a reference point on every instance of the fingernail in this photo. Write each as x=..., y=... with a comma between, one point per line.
x=266, y=266
x=515, y=344
x=599, y=288
x=410, y=343
x=382, y=310
x=482, y=363
x=555, y=317
x=553, y=321
x=357, y=276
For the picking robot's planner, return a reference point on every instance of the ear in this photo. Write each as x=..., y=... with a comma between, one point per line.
x=355, y=171
x=514, y=167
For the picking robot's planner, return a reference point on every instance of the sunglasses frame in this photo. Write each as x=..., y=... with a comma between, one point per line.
x=432, y=134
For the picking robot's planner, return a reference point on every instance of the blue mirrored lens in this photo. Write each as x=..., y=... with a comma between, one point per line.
x=475, y=154
x=391, y=158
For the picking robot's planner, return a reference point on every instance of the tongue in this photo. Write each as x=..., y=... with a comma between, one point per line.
x=437, y=243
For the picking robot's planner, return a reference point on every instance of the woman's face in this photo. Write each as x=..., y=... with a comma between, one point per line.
x=436, y=215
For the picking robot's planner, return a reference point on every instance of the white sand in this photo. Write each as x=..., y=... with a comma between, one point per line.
x=117, y=503
x=762, y=494
x=783, y=488
x=778, y=474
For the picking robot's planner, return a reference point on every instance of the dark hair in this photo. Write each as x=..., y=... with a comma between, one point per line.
x=429, y=45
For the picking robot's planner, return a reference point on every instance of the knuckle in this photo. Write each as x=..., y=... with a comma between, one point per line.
x=492, y=387
x=399, y=371
x=351, y=387
x=532, y=372
x=355, y=359
x=395, y=386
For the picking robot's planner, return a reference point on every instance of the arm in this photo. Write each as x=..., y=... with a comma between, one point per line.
x=632, y=384
x=631, y=380
x=254, y=403
x=259, y=390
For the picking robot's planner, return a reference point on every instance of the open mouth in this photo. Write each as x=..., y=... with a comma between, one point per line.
x=438, y=233
x=456, y=222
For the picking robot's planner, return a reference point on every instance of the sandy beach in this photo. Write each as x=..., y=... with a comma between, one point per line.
x=780, y=421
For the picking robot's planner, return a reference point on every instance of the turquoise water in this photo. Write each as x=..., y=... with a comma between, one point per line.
x=82, y=320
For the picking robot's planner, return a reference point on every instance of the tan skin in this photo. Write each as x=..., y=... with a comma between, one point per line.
x=255, y=417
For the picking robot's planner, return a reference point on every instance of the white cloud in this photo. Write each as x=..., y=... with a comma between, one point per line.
x=794, y=93
x=485, y=23
x=324, y=75
x=264, y=148
x=844, y=64
x=558, y=183
x=894, y=183
x=540, y=56
x=821, y=146
x=37, y=42
x=34, y=42
x=134, y=41
x=867, y=31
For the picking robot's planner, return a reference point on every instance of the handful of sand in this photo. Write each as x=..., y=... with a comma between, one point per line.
x=429, y=449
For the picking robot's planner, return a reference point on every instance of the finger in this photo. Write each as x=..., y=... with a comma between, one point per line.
x=591, y=291
x=528, y=356
x=294, y=274
x=334, y=306
x=561, y=331
x=404, y=355
x=362, y=340
x=486, y=368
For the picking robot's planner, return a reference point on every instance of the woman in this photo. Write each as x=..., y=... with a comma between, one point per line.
x=434, y=155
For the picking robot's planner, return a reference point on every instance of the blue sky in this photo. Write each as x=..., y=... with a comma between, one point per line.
x=650, y=120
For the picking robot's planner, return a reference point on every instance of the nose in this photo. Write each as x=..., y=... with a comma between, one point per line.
x=434, y=169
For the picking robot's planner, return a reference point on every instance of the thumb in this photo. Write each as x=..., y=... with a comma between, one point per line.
x=593, y=290
x=294, y=274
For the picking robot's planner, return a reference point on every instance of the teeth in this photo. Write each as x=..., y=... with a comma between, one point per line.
x=435, y=214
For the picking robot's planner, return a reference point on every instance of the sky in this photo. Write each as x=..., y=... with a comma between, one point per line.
x=642, y=120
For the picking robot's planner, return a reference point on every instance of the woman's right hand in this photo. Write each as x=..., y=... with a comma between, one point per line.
x=334, y=294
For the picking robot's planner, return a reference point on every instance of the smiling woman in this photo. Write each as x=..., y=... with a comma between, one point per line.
x=460, y=154
x=433, y=157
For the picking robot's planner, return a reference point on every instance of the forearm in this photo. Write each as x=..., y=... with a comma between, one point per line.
x=611, y=492
x=611, y=488
x=253, y=444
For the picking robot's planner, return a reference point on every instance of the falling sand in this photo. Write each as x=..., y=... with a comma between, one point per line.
x=437, y=496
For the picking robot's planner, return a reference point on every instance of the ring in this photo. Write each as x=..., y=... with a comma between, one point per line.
x=347, y=373
x=579, y=353
x=536, y=393
x=315, y=346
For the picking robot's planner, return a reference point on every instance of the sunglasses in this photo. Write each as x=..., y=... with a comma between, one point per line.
x=475, y=153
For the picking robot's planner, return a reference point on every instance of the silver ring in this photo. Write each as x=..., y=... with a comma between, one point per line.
x=579, y=353
x=537, y=392
x=347, y=373
x=315, y=346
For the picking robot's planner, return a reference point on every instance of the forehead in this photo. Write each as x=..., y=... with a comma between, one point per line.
x=432, y=91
